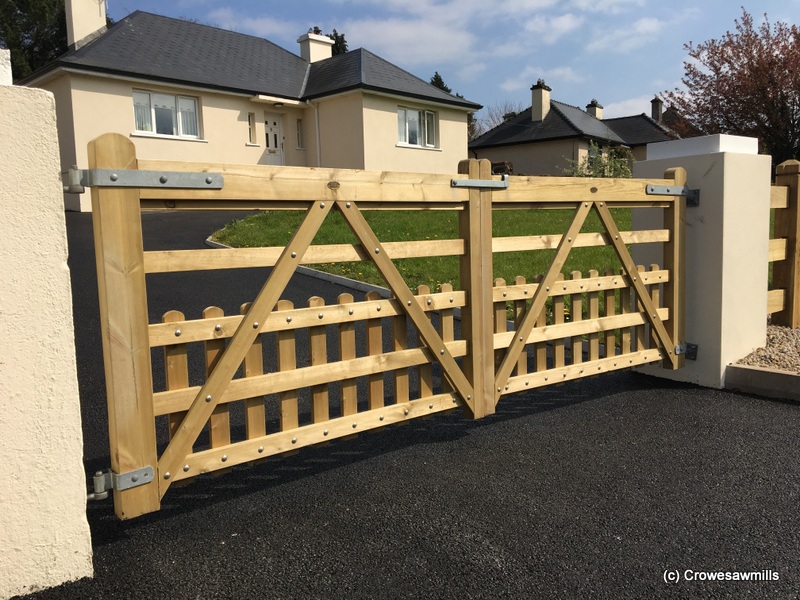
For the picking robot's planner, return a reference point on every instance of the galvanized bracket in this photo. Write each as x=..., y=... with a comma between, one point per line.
x=690, y=350
x=105, y=481
x=79, y=179
x=481, y=183
x=692, y=196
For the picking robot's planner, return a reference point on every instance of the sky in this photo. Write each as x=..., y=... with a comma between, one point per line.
x=619, y=52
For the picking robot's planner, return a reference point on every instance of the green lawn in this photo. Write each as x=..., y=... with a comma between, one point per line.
x=275, y=228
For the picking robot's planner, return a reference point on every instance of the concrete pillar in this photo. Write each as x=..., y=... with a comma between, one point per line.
x=727, y=249
x=44, y=534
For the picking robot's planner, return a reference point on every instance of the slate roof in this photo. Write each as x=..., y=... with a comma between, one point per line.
x=564, y=121
x=363, y=69
x=174, y=51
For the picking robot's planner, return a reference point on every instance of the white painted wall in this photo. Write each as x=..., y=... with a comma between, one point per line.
x=44, y=534
x=727, y=248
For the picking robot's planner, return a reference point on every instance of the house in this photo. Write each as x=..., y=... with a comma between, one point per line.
x=182, y=90
x=550, y=136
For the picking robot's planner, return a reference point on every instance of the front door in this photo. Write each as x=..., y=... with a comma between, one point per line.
x=273, y=124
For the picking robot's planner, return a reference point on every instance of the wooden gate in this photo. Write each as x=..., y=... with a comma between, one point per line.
x=485, y=358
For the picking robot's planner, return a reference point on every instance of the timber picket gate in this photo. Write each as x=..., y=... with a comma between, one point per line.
x=619, y=319
x=783, y=300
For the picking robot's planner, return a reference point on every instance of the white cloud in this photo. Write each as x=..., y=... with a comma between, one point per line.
x=265, y=27
x=530, y=75
x=612, y=7
x=412, y=41
x=626, y=108
x=626, y=39
x=550, y=29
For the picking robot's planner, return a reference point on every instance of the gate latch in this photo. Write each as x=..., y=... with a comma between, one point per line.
x=105, y=481
x=481, y=183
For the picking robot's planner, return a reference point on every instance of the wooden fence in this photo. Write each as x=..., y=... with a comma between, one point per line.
x=369, y=362
x=784, y=250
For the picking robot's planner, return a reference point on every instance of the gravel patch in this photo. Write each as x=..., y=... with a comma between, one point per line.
x=782, y=351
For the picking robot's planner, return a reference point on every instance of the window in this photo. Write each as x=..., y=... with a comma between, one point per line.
x=416, y=127
x=165, y=114
x=251, y=124
x=300, y=143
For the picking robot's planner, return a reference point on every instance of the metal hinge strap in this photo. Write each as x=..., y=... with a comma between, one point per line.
x=690, y=350
x=79, y=179
x=481, y=183
x=105, y=481
x=692, y=196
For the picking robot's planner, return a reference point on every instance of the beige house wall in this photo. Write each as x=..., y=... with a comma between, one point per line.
x=341, y=131
x=44, y=533
x=382, y=151
x=544, y=158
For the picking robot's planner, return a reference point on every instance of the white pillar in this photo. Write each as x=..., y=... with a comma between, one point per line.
x=44, y=534
x=727, y=248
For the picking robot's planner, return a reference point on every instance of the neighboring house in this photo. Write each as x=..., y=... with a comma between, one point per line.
x=551, y=136
x=185, y=91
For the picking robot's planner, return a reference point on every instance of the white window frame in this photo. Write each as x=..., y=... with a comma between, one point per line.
x=185, y=111
x=427, y=128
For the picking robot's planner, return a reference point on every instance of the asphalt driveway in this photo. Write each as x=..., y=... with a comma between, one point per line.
x=603, y=488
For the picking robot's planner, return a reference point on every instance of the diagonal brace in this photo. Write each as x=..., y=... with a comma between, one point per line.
x=539, y=298
x=219, y=379
x=643, y=296
x=408, y=301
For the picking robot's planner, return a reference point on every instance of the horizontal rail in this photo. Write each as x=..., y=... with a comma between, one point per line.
x=585, y=369
x=576, y=286
x=578, y=328
x=779, y=196
x=776, y=301
x=777, y=249
x=271, y=444
x=200, y=330
x=173, y=401
x=304, y=184
x=174, y=261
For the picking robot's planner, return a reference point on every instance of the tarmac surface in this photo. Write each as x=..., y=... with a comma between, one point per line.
x=603, y=488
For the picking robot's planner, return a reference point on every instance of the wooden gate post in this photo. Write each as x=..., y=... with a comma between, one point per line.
x=675, y=263
x=786, y=273
x=475, y=228
x=116, y=219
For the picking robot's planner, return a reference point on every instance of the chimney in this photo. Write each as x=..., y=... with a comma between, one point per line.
x=657, y=109
x=540, y=101
x=314, y=46
x=86, y=21
x=595, y=109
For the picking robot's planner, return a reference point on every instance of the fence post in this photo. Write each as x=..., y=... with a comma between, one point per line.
x=475, y=228
x=116, y=218
x=786, y=273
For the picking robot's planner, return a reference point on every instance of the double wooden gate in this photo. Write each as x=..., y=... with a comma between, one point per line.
x=471, y=366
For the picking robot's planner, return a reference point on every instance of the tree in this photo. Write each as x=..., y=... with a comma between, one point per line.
x=499, y=113
x=746, y=83
x=612, y=162
x=35, y=31
x=473, y=125
x=339, y=43
x=437, y=81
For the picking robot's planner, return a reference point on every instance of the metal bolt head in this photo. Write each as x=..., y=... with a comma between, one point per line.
x=294, y=440
x=288, y=319
x=322, y=205
x=260, y=449
x=377, y=250
x=320, y=315
x=163, y=179
x=185, y=468
x=255, y=325
x=430, y=301
x=177, y=333
x=355, y=425
x=347, y=205
x=294, y=254
x=350, y=312
x=209, y=180
x=224, y=458
x=325, y=432
x=378, y=308
x=441, y=351
x=217, y=327
x=409, y=302
x=167, y=475
x=208, y=398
